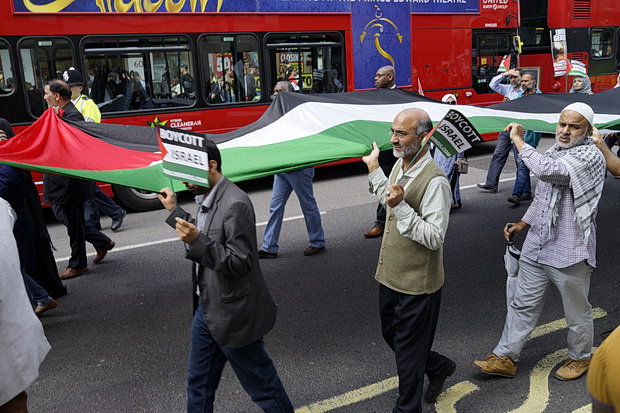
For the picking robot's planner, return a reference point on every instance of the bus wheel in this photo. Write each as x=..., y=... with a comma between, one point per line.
x=136, y=199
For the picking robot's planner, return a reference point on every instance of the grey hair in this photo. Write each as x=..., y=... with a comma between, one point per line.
x=289, y=86
x=424, y=125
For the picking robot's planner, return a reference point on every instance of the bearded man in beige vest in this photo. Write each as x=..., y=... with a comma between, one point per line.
x=410, y=269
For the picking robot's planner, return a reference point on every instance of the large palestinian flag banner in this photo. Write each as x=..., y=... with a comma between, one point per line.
x=296, y=131
x=119, y=154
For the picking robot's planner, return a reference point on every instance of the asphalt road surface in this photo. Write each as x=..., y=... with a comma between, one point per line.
x=120, y=338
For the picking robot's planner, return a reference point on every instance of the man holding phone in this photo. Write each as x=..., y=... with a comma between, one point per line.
x=235, y=309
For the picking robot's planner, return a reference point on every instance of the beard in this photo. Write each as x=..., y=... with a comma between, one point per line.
x=197, y=189
x=574, y=142
x=406, y=151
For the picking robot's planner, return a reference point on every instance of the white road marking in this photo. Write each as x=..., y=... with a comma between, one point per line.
x=501, y=180
x=163, y=241
x=351, y=397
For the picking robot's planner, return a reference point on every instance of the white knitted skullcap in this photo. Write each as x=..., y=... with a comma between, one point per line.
x=583, y=109
x=448, y=96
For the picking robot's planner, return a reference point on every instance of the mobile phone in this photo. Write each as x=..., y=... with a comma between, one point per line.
x=179, y=213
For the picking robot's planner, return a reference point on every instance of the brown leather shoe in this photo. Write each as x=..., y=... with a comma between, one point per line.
x=572, y=369
x=375, y=232
x=265, y=254
x=498, y=366
x=102, y=252
x=46, y=307
x=313, y=250
x=72, y=273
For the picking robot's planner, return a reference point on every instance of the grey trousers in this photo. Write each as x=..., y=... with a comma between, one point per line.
x=534, y=280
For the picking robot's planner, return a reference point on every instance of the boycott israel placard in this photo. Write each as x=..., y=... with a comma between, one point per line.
x=454, y=134
x=185, y=155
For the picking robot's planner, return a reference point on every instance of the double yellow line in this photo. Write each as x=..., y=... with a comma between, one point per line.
x=537, y=399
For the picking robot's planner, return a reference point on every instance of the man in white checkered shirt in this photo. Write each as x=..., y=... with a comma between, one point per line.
x=560, y=245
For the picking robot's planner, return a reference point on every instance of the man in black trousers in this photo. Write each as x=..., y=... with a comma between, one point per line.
x=67, y=195
x=410, y=269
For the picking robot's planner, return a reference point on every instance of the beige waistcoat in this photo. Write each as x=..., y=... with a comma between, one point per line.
x=405, y=265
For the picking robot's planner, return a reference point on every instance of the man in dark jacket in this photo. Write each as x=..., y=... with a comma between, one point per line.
x=235, y=308
x=67, y=195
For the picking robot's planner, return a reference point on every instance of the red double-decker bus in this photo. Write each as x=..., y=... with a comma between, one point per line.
x=209, y=66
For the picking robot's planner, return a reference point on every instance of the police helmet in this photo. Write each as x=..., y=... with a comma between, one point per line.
x=73, y=77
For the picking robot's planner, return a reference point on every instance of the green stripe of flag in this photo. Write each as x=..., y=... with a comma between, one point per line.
x=149, y=178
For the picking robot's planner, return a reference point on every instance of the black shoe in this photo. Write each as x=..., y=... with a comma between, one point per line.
x=116, y=223
x=435, y=386
x=265, y=254
x=514, y=200
x=526, y=197
x=487, y=187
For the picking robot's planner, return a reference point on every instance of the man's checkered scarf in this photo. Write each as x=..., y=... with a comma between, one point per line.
x=586, y=167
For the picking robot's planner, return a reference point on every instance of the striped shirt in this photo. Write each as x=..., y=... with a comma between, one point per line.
x=564, y=246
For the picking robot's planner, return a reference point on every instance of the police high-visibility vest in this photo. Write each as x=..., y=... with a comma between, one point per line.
x=88, y=108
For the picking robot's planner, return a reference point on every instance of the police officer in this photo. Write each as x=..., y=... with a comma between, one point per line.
x=87, y=107
x=90, y=111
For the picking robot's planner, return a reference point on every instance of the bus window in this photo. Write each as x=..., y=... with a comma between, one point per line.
x=43, y=59
x=536, y=40
x=488, y=50
x=134, y=74
x=617, y=67
x=232, y=69
x=534, y=31
x=7, y=83
x=602, y=43
x=311, y=62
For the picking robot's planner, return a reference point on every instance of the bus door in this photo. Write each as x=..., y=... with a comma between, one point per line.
x=7, y=79
x=603, y=55
x=42, y=60
x=488, y=49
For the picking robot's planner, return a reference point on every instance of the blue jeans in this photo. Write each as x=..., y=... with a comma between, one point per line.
x=251, y=363
x=448, y=167
x=103, y=202
x=610, y=141
x=500, y=155
x=284, y=183
x=36, y=293
x=523, y=184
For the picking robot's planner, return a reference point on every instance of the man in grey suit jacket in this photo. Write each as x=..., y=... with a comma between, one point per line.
x=235, y=309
